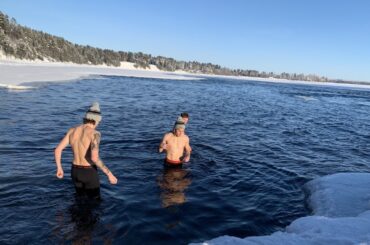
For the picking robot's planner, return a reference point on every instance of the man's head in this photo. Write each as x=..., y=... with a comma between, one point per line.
x=93, y=115
x=185, y=117
x=179, y=127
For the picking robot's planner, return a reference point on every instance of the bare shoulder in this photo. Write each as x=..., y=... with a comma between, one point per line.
x=92, y=133
x=71, y=131
x=75, y=129
x=167, y=135
x=96, y=135
x=185, y=139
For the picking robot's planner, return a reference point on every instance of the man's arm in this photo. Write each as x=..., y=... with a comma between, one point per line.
x=187, y=150
x=58, y=154
x=163, y=144
x=96, y=159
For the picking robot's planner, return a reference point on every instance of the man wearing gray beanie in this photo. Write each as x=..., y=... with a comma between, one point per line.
x=84, y=140
x=175, y=144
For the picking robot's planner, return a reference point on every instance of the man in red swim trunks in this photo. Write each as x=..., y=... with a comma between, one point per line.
x=176, y=144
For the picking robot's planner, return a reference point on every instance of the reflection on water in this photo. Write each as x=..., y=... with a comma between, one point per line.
x=173, y=182
x=84, y=216
x=79, y=223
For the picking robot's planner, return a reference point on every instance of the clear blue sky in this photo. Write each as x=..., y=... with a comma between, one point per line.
x=325, y=37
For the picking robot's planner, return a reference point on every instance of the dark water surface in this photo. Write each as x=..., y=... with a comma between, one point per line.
x=254, y=146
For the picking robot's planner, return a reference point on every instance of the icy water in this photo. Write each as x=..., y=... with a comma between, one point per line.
x=254, y=146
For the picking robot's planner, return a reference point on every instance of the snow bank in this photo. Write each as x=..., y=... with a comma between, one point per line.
x=341, y=207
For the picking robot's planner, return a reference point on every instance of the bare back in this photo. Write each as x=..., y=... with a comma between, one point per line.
x=80, y=139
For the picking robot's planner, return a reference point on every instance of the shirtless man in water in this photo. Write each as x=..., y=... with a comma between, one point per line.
x=84, y=140
x=175, y=143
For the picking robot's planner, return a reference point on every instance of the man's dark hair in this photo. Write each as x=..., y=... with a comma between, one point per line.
x=86, y=121
x=185, y=115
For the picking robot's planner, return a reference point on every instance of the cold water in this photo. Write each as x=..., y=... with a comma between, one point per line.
x=254, y=146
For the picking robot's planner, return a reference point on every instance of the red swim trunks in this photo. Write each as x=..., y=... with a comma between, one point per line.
x=172, y=163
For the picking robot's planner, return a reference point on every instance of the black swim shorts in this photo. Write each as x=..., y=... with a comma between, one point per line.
x=86, y=180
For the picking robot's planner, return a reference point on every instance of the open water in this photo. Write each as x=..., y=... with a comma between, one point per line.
x=254, y=146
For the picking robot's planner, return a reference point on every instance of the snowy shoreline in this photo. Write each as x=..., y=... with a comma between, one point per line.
x=16, y=73
x=341, y=215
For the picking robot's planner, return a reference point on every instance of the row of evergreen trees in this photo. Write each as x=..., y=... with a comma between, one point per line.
x=26, y=43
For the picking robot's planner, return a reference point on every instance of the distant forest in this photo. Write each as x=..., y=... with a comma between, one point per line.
x=26, y=43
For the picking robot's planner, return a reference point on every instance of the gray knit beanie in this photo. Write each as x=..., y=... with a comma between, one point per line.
x=94, y=113
x=180, y=123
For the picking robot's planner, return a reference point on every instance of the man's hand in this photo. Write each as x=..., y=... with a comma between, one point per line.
x=186, y=159
x=163, y=147
x=112, y=179
x=60, y=173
